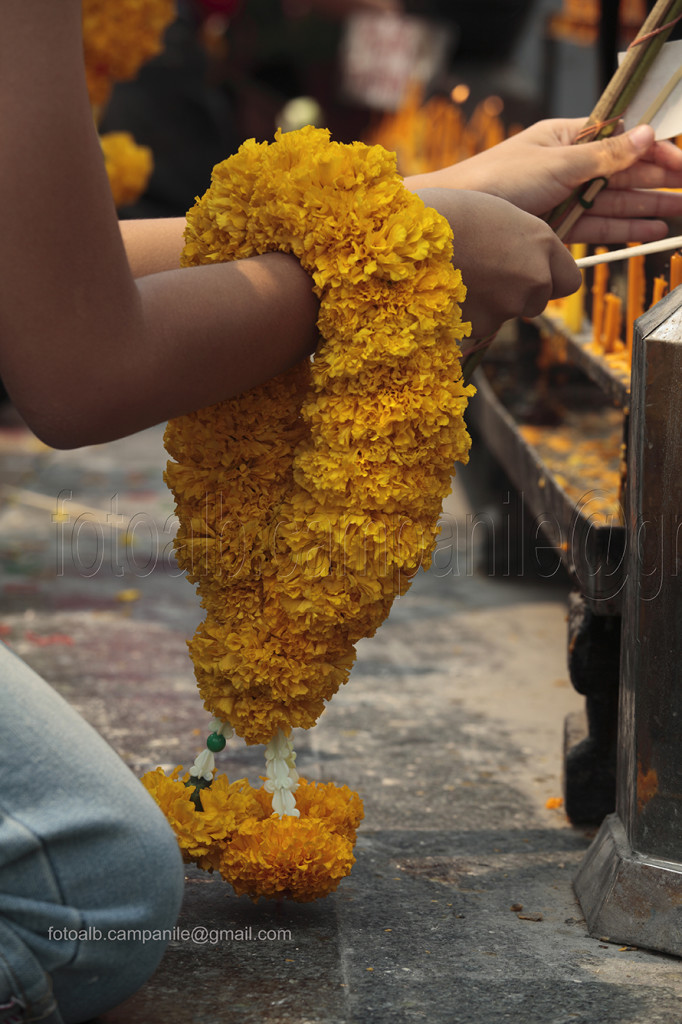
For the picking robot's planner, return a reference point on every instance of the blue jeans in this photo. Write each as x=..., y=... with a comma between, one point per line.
x=85, y=857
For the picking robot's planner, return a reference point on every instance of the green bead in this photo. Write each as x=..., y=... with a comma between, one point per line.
x=215, y=742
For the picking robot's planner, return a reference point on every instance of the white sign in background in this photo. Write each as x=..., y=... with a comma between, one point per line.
x=383, y=53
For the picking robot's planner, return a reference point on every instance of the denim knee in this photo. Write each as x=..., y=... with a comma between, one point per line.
x=122, y=940
x=84, y=914
x=84, y=852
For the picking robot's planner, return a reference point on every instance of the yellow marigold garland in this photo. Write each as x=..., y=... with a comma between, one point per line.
x=307, y=504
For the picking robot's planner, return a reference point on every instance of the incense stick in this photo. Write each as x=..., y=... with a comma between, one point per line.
x=663, y=245
x=620, y=91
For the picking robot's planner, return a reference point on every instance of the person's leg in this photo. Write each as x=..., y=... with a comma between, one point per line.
x=85, y=855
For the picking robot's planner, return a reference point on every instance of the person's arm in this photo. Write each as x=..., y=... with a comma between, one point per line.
x=539, y=168
x=153, y=245
x=91, y=349
x=88, y=353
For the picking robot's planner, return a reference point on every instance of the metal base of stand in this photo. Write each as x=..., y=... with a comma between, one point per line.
x=627, y=897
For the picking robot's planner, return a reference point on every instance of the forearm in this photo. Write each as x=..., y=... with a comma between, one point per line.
x=87, y=352
x=153, y=245
x=189, y=338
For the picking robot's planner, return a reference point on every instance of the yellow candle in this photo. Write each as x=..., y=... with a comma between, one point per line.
x=599, y=285
x=659, y=289
x=494, y=133
x=613, y=317
x=675, y=270
x=452, y=136
x=574, y=305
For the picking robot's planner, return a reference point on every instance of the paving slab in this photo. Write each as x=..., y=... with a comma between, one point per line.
x=460, y=906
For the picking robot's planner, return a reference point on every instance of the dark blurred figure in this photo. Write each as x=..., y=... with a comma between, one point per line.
x=487, y=30
x=230, y=66
x=173, y=108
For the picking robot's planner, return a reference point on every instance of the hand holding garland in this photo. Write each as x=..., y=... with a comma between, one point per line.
x=511, y=263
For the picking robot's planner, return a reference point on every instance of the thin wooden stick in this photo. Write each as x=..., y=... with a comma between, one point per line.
x=663, y=245
x=617, y=95
x=620, y=91
x=585, y=201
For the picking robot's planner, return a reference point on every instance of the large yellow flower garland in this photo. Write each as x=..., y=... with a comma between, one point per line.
x=306, y=505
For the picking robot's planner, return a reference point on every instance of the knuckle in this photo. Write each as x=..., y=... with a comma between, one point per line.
x=536, y=299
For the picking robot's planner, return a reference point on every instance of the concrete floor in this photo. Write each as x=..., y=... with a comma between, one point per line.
x=450, y=728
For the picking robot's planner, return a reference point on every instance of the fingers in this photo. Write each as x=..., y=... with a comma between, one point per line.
x=607, y=157
x=667, y=154
x=659, y=167
x=532, y=267
x=566, y=277
x=612, y=231
x=647, y=175
x=634, y=203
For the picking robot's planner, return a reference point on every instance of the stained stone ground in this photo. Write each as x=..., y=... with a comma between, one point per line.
x=450, y=728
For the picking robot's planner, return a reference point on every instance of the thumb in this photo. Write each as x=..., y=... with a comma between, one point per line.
x=607, y=156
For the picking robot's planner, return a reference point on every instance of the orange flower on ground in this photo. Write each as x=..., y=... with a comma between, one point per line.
x=299, y=859
x=234, y=831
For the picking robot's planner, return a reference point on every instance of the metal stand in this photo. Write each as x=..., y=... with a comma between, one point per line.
x=630, y=883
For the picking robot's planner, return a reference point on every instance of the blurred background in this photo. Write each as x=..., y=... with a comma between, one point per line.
x=435, y=80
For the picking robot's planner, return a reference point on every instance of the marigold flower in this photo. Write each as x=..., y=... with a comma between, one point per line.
x=299, y=859
x=199, y=833
x=119, y=36
x=128, y=166
x=259, y=853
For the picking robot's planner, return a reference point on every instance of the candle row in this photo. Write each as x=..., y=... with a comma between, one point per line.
x=612, y=318
x=578, y=20
x=433, y=134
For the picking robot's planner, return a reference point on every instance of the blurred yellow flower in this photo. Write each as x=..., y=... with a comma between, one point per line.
x=128, y=166
x=119, y=36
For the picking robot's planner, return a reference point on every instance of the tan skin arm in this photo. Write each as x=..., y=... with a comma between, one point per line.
x=153, y=245
x=99, y=338
x=88, y=353
x=534, y=171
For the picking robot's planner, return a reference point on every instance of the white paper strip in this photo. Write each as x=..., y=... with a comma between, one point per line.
x=667, y=120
